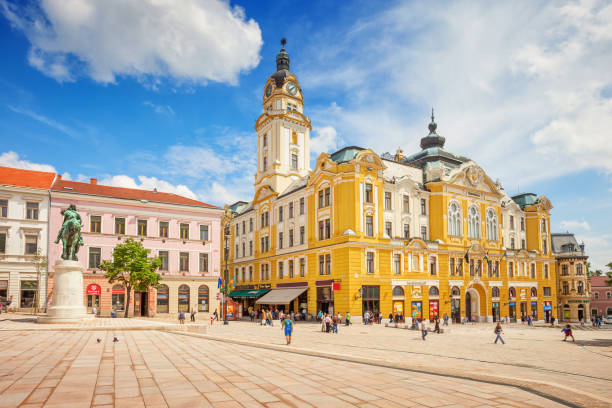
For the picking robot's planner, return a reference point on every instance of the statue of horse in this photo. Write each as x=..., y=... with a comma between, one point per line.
x=70, y=234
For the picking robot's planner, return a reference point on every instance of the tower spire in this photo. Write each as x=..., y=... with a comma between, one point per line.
x=282, y=59
x=432, y=139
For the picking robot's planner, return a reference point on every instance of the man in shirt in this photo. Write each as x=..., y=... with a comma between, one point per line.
x=287, y=325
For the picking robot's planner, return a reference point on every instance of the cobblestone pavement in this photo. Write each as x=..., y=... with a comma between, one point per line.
x=159, y=369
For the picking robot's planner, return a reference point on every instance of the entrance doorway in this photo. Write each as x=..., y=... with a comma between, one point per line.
x=93, y=301
x=468, y=306
x=580, y=312
x=512, y=311
x=141, y=303
x=495, y=311
x=472, y=305
x=325, y=299
x=523, y=310
x=456, y=310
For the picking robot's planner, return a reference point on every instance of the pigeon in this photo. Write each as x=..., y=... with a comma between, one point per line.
x=99, y=340
x=115, y=339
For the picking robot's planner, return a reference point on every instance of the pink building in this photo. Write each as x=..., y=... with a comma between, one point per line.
x=601, y=296
x=183, y=233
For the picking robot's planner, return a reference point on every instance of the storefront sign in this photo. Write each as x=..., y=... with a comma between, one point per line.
x=578, y=301
x=336, y=286
x=265, y=286
x=292, y=285
x=327, y=282
x=547, y=307
x=93, y=289
x=534, y=303
x=3, y=284
x=512, y=304
x=246, y=287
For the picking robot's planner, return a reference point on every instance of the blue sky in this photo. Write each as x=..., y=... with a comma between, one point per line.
x=165, y=94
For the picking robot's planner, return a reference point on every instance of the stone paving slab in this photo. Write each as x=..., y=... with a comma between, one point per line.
x=160, y=369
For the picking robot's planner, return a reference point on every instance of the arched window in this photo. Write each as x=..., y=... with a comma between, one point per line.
x=491, y=225
x=118, y=298
x=455, y=291
x=454, y=219
x=495, y=292
x=534, y=292
x=162, y=299
x=398, y=291
x=183, y=298
x=609, y=311
x=433, y=291
x=580, y=287
x=596, y=294
x=512, y=293
x=203, y=298
x=473, y=222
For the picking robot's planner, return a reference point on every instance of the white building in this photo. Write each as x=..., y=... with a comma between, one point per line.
x=24, y=215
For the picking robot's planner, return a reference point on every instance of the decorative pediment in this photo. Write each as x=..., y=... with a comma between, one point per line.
x=473, y=176
x=370, y=160
x=417, y=243
x=264, y=193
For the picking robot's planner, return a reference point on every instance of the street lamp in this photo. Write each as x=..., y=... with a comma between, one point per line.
x=225, y=273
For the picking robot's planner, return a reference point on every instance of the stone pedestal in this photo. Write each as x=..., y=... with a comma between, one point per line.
x=67, y=304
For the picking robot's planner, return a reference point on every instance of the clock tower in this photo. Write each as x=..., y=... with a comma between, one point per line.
x=283, y=132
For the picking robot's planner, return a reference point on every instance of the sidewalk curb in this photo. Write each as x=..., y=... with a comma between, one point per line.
x=554, y=392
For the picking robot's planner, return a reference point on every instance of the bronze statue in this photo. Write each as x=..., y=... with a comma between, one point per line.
x=70, y=233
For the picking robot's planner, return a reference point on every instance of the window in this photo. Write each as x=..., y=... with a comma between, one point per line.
x=250, y=225
x=432, y=265
x=280, y=240
x=424, y=233
x=370, y=299
x=545, y=271
x=280, y=214
x=184, y=262
x=237, y=229
x=511, y=269
x=451, y=266
x=533, y=271
x=596, y=295
x=95, y=255
x=522, y=224
x=4, y=208
x=265, y=163
x=243, y=227
x=512, y=243
x=565, y=288
x=281, y=272
x=490, y=269
x=302, y=206
x=265, y=140
x=203, y=263
x=478, y=267
x=512, y=222
x=369, y=197
x=31, y=244
x=162, y=299
x=387, y=200
x=250, y=248
x=459, y=267
x=496, y=269
x=250, y=274
x=163, y=229
x=406, y=204
x=267, y=218
x=32, y=211
x=321, y=202
x=290, y=237
x=607, y=295
x=243, y=249
x=95, y=224
x=2, y=242
x=294, y=161
x=183, y=298
x=327, y=196
x=544, y=246
x=118, y=298
x=291, y=210
x=327, y=229
x=491, y=225
x=369, y=226
x=328, y=264
x=495, y=292
x=471, y=267
x=522, y=244
x=546, y=291
x=184, y=231
x=578, y=269
x=423, y=206
x=302, y=234
x=433, y=291
x=204, y=232
x=397, y=264
x=388, y=228
x=302, y=267
x=580, y=287
x=321, y=230
x=163, y=257
x=237, y=253
x=543, y=225
x=454, y=219
x=370, y=262
x=290, y=268
x=473, y=222
x=511, y=293
x=142, y=228
x=203, y=295
x=564, y=270
x=406, y=231
x=120, y=226
x=321, y=264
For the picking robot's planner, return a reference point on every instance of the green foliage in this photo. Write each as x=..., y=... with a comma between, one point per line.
x=609, y=274
x=132, y=267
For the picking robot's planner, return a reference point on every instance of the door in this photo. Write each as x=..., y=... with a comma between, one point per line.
x=468, y=306
x=523, y=310
x=512, y=311
x=144, y=304
x=580, y=313
x=495, y=311
x=456, y=310
x=93, y=300
x=137, y=303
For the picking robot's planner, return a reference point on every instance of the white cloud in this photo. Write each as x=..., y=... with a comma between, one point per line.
x=598, y=248
x=148, y=183
x=12, y=159
x=189, y=40
x=46, y=121
x=165, y=110
x=195, y=161
x=573, y=225
x=323, y=139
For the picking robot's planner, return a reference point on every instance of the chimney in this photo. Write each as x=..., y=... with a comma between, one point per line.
x=93, y=181
x=155, y=190
x=59, y=176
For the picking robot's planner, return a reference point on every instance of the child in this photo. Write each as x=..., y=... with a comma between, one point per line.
x=287, y=324
x=568, y=332
x=181, y=317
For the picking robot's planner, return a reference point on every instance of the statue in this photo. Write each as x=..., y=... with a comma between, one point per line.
x=70, y=233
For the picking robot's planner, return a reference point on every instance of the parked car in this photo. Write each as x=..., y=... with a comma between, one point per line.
x=607, y=319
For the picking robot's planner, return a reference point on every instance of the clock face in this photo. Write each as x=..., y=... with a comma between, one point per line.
x=292, y=88
x=269, y=90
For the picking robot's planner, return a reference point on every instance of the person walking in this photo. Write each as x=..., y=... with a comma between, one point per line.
x=94, y=310
x=192, y=315
x=567, y=330
x=287, y=325
x=423, y=329
x=446, y=319
x=319, y=315
x=348, y=318
x=323, y=325
x=498, y=331
x=328, y=323
x=437, y=326
x=366, y=315
x=335, y=325
x=181, y=317
x=216, y=315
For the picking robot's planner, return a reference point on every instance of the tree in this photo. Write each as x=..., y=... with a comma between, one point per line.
x=598, y=272
x=132, y=267
x=40, y=263
x=609, y=274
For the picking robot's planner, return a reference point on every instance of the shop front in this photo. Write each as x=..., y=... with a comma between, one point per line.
x=3, y=292
x=370, y=299
x=246, y=295
x=118, y=298
x=456, y=304
x=534, y=310
x=523, y=310
x=325, y=296
x=398, y=301
x=163, y=297
x=416, y=309
x=93, y=292
x=495, y=311
x=282, y=298
x=512, y=311
x=27, y=293
x=434, y=303
x=547, y=310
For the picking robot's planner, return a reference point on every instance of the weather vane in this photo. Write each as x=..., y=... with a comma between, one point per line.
x=283, y=42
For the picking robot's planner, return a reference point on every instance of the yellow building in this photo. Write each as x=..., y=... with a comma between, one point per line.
x=425, y=235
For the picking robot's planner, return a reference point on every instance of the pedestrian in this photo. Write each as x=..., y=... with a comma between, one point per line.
x=348, y=318
x=437, y=327
x=582, y=322
x=319, y=315
x=446, y=319
x=339, y=317
x=552, y=321
x=396, y=319
x=323, y=325
x=529, y=321
x=335, y=325
x=380, y=317
x=94, y=311
x=192, y=315
x=498, y=331
x=423, y=328
x=216, y=315
x=287, y=325
x=181, y=317
x=328, y=323
x=212, y=319
x=567, y=330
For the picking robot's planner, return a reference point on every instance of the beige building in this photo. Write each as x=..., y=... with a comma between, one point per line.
x=573, y=284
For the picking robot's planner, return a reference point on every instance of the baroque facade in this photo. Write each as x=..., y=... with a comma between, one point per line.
x=601, y=297
x=424, y=235
x=182, y=232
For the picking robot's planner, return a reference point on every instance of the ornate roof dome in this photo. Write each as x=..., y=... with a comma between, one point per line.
x=282, y=66
x=432, y=139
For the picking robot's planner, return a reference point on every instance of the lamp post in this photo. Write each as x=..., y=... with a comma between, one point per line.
x=225, y=274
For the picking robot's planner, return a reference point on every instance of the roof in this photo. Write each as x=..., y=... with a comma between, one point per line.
x=599, y=281
x=295, y=186
x=434, y=153
x=564, y=242
x=525, y=199
x=26, y=178
x=346, y=154
x=92, y=188
x=239, y=207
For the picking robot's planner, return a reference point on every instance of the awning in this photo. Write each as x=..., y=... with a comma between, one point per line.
x=248, y=294
x=281, y=296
